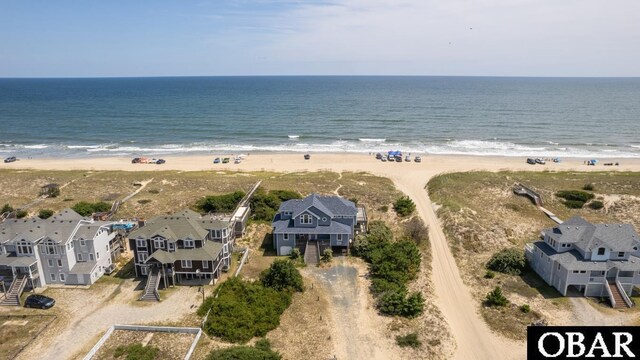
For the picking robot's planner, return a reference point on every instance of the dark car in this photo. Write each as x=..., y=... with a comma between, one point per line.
x=160, y=161
x=531, y=161
x=39, y=301
x=378, y=156
x=135, y=161
x=10, y=159
x=307, y=156
x=216, y=160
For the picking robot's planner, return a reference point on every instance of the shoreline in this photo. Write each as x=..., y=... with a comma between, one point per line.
x=295, y=162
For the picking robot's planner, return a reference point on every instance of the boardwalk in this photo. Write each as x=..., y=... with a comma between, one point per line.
x=522, y=190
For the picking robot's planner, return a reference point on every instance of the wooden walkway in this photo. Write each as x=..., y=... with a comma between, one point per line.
x=522, y=190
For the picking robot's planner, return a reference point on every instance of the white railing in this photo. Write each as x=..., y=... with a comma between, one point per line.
x=625, y=297
x=242, y=261
x=613, y=301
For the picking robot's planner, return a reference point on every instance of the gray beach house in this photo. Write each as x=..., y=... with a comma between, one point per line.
x=598, y=260
x=315, y=223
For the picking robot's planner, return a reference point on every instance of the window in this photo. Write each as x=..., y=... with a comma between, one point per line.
x=50, y=249
x=324, y=219
x=188, y=243
x=143, y=270
x=621, y=254
x=216, y=234
x=62, y=277
x=171, y=246
x=141, y=243
x=224, y=232
x=80, y=257
x=24, y=248
x=205, y=264
x=59, y=262
x=159, y=244
x=142, y=257
x=565, y=245
x=601, y=251
x=285, y=236
x=53, y=276
x=339, y=238
x=305, y=219
x=71, y=244
x=583, y=271
x=50, y=261
x=97, y=254
x=90, y=257
x=107, y=247
x=186, y=264
x=83, y=243
x=558, y=266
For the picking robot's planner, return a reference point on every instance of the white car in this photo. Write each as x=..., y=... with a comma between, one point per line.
x=540, y=161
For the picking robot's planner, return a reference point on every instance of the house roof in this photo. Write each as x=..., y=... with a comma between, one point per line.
x=181, y=225
x=209, y=251
x=287, y=227
x=587, y=236
x=12, y=260
x=330, y=205
x=573, y=260
x=81, y=268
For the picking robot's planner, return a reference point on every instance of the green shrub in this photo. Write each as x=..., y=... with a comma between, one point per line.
x=260, y=351
x=575, y=195
x=404, y=206
x=86, y=208
x=265, y=205
x=496, y=298
x=282, y=275
x=509, y=261
x=244, y=310
x=588, y=187
x=525, y=308
x=398, y=303
x=45, y=213
x=396, y=262
x=6, y=208
x=136, y=352
x=53, y=192
x=327, y=256
x=143, y=201
x=21, y=214
x=489, y=274
x=410, y=340
x=154, y=191
x=295, y=254
x=381, y=286
x=596, y=205
x=354, y=200
x=378, y=235
x=220, y=203
x=574, y=204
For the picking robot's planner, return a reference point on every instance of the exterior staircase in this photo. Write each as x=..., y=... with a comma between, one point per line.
x=151, y=288
x=617, y=296
x=311, y=256
x=12, y=297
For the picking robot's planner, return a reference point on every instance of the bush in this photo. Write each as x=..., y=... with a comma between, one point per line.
x=6, y=208
x=45, y=213
x=410, y=340
x=404, y=206
x=397, y=303
x=396, y=262
x=381, y=286
x=496, y=298
x=327, y=255
x=265, y=205
x=86, y=208
x=378, y=235
x=282, y=275
x=588, y=187
x=574, y=204
x=354, y=200
x=384, y=208
x=261, y=351
x=509, y=261
x=136, y=352
x=489, y=274
x=415, y=230
x=295, y=254
x=575, y=195
x=220, y=203
x=154, y=191
x=53, y=192
x=144, y=201
x=525, y=308
x=244, y=310
x=21, y=214
x=596, y=205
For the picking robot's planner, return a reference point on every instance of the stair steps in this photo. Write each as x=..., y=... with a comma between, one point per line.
x=620, y=304
x=311, y=256
x=12, y=297
x=151, y=288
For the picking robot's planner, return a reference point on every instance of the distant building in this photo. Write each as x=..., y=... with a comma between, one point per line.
x=184, y=246
x=63, y=249
x=316, y=223
x=598, y=260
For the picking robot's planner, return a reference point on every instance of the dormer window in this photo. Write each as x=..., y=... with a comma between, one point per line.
x=159, y=244
x=621, y=254
x=188, y=243
x=305, y=219
x=601, y=251
x=24, y=248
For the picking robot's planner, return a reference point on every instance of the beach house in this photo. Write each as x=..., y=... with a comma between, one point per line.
x=183, y=247
x=315, y=223
x=598, y=260
x=65, y=249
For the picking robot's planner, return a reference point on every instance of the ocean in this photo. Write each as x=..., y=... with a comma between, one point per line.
x=549, y=117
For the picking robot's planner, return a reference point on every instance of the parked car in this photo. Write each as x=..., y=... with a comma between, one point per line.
x=418, y=159
x=379, y=156
x=383, y=159
x=531, y=161
x=307, y=156
x=216, y=161
x=399, y=158
x=540, y=161
x=10, y=159
x=160, y=161
x=237, y=160
x=39, y=301
x=391, y=158
x=407, y=158
x=225, y=160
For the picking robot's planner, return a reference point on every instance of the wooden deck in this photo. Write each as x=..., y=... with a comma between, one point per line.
x=536, y=198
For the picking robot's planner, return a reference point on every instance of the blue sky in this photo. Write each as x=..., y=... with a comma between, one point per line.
x=314, y=37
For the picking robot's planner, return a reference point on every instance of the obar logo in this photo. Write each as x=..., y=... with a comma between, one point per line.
x=583, y=342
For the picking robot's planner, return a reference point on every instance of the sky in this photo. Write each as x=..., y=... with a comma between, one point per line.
x=313, y=37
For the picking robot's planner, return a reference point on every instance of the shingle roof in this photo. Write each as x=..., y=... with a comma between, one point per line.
x=286, y=227
x=573, y=260
x=587, y=236
x=330, y=205
x=209, y=251
x=181, y=225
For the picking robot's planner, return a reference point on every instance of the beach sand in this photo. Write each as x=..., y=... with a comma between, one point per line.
x=474, y=339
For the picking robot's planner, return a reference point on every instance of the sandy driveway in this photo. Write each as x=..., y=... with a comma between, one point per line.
x=86, y=314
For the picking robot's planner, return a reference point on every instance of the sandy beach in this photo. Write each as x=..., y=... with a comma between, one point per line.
x=473, y=337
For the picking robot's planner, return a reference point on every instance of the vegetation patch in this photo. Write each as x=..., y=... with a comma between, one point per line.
x=45, y=213
x=86, y=208
x=575, y=199
x=220, y=203
x=264, y=205
x=496, y=298
x=136, y=352
x=409, y=340
x=21, y=214
x=404, y=206
x=282, y=275
x=508, y=261
x=261, y=351
x=392, y=265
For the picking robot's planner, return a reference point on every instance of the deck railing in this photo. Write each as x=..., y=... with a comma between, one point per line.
x=611, y=299
x=625, y=297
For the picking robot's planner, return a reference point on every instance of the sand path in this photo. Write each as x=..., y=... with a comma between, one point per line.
x=474, y=340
